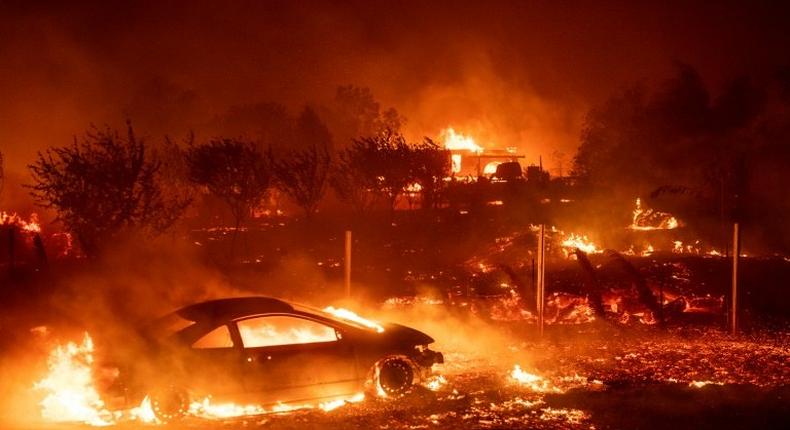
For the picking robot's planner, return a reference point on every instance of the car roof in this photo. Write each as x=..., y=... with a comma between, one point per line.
x=232, y=308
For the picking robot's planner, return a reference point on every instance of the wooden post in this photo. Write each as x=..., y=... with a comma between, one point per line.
x=540, y=290
x=347, y=269
x=736, y=251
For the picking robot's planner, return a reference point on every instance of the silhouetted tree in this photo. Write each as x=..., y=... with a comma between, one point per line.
x=356, y=113
x=234, y=171
x=379, y=164
x=103, y=185
x=430, y=164
x=302, y=173
x=176, y=183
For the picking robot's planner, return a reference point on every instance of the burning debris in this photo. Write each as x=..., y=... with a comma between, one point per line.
x=649, y=219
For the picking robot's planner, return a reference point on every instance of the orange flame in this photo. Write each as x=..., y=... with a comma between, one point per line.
x=581, y=242
x=71, y=394
x=648, y=219
x=348, y=315
x=459, y=142
x=31, y=226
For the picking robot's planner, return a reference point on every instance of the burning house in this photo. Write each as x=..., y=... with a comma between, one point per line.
x=470, y=160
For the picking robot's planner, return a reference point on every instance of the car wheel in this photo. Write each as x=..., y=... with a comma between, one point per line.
x=393, y=376
x=169, y=404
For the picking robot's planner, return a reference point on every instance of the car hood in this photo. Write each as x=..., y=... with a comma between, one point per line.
x=402, y=335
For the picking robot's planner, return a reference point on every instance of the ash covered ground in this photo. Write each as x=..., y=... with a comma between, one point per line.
x=589, y=377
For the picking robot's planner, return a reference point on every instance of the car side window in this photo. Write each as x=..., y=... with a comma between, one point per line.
x=283, y=330
x=217, y=338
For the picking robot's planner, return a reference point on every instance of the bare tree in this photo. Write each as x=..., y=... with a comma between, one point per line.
x=356, y=112
x=176, y=183
x=234, y=171
x=302, y=173
x=103, y=185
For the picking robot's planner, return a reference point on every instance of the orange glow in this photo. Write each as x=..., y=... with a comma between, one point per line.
x=283, y=330
x=455, y=160
x=648, y=219
x=31, y=226
x=581, y=242
x=71, y=395
x=348, y=315
x=490, y=168
x=534, y=382
x=70, y=392
x=459, y=142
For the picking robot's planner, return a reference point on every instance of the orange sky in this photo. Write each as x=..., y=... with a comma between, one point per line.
x=510, y=73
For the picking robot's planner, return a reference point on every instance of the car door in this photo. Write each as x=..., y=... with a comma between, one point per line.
x=212, y=364
x=291, y=358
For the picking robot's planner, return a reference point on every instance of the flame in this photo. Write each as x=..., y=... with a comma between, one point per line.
x=581, y=242
x=348, y=315
x=334, y=404
x=534, y=382
x=459, y=142
x=31, y=226
x=413, y=188
x=648, y=219
x=206, y=409
x=490, y=168
x=455, y=160
x=435, y=383
x=71, y=394
x=144, y=412
x=700, y=384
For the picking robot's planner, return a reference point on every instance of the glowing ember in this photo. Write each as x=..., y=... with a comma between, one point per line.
x=71, y=394
x=334, y=404
x=413, y=188
x=459, y=142
x=648, y=219
x=700, y=384
x=435, y=383
x=534, y=382
x=348, y=315
x=571, y=416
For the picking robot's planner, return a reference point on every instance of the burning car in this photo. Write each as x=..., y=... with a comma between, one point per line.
x=269, y=351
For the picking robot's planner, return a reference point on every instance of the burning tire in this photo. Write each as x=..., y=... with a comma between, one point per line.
x=393, y=376
x=169, y=404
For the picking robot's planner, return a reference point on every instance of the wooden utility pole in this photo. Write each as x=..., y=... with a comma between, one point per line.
x=541, y=277
x=347, y=268
x=736, y=251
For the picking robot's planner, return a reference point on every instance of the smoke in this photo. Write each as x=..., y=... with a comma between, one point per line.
x=510, y=74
